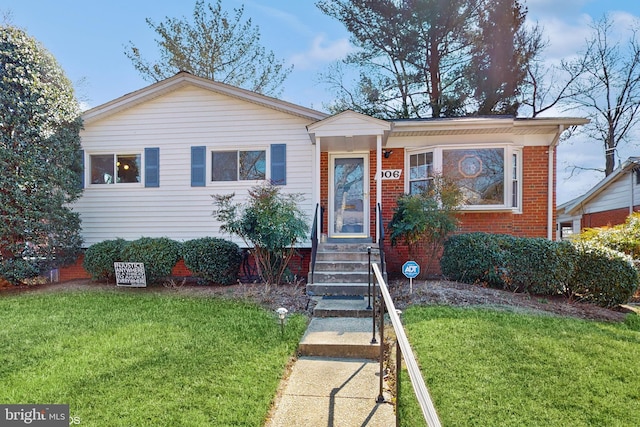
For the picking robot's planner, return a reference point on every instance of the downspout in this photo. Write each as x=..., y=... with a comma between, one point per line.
x=551, y=188
x=378, y=176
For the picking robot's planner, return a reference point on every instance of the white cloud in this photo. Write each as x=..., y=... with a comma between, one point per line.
x=321, y=51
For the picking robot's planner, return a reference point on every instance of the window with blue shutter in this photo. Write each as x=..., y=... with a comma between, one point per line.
x=198, y=166
x=279, y=164
x=152, y=167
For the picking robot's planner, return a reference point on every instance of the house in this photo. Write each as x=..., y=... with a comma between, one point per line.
x=153, y=159
x=609, y=202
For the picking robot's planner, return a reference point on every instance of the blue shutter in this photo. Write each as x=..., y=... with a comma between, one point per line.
x=82, y=172
x=198, y=166
x=279, y=164
x=152, y=167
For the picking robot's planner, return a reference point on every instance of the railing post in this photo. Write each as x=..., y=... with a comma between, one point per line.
x=373, y=312
x=369, y=280
x=381, y=304
x=398, y=379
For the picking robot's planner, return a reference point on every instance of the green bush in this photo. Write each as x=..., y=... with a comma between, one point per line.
x=215, y=260
x=17, y=270
x=622, y=237
x=603, y=276
x=159, y=255
x=475, y=258
x=99, y=258
x=538, y=266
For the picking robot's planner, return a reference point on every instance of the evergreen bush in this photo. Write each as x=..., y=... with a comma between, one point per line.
x=159, y=255
x=99, y=258
x=604, y=276
x=215, y=260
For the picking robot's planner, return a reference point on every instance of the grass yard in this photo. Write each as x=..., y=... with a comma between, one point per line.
x=496, y=368
x=144, y=359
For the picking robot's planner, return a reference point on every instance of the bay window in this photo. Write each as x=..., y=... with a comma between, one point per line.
x=489, y=177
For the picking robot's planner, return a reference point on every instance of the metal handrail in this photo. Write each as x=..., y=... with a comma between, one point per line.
x=381, y=238
x=314, y=241
x=419, y=386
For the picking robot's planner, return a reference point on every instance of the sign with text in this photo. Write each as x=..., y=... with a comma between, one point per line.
x=390, y=174
x=34, y=415
x=130, y=274
x=410, y=269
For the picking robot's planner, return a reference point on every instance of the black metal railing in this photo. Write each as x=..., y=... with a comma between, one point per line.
x=403, y=351
x=381, y=239
x=314, y=240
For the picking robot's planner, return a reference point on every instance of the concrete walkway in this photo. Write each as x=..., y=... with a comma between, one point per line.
x=332, y=384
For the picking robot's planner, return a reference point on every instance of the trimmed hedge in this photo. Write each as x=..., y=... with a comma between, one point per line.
x=99, y=258
x=215, y=260
x=159, y=255
x=534, y=265
x=476, y=258
x=605, y=277
x=538, y=266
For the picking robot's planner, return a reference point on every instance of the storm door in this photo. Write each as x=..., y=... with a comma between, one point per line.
x=349, y=195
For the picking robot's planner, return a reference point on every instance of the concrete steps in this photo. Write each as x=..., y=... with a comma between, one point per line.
x=342, y=269
x=340, y=328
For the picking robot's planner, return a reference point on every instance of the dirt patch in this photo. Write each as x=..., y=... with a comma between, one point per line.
x=295, y=300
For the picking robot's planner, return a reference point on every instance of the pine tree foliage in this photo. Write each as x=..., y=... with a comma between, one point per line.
x=215, y=46
x=39, y=145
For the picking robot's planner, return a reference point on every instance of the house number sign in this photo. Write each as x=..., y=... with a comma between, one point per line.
x=391, y=174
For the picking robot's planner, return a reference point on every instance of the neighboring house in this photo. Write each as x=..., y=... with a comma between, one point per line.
x=609, y=202
x=154, y=157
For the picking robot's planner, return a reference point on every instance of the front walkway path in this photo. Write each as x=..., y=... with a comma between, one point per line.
x=323, y=391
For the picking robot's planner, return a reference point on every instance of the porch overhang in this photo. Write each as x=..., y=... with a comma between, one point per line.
x=349, y=131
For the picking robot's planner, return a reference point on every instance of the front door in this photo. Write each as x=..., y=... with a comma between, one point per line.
x=349, y=195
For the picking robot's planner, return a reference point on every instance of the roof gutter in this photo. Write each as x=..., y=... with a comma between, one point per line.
x=551, y=188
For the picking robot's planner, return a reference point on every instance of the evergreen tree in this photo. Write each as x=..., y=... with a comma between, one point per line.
x=214, y=46
x=39, y=163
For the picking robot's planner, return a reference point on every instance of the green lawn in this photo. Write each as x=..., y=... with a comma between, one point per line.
x=493, y=368
x=144, y=359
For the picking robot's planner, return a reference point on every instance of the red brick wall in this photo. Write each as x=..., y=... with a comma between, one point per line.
x=607, y=218
x=531, y=223
x=73, y=271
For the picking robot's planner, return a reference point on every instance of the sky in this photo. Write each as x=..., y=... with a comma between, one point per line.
x=88, y=39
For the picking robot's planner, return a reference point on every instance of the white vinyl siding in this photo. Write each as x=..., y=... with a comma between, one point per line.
x=174, y=123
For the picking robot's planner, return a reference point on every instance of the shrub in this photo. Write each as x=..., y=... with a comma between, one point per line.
x=99, y=258
x=159, y=255
x=475, y=258
x=215, y=260
x=623, y=237
x=604, y=276
x=538, y=266
x=270, y=221
x=17, y=270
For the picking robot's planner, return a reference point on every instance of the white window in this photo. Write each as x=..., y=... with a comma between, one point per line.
x=115, y=168
x=488, y=176
x=420, y=171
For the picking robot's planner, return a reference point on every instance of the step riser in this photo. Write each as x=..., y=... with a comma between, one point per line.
x=371, y=351
x=346, y=256
x=341, y=266
x=337, y=289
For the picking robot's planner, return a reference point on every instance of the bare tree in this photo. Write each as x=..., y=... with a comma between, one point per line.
x=609, y=88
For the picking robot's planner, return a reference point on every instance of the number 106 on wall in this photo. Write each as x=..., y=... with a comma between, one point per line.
x=390, y=174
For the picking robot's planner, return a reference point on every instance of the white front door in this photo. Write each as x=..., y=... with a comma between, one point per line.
x=349, y=195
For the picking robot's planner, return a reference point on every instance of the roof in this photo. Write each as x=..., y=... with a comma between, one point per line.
x=184, y=78
x=569, y=207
